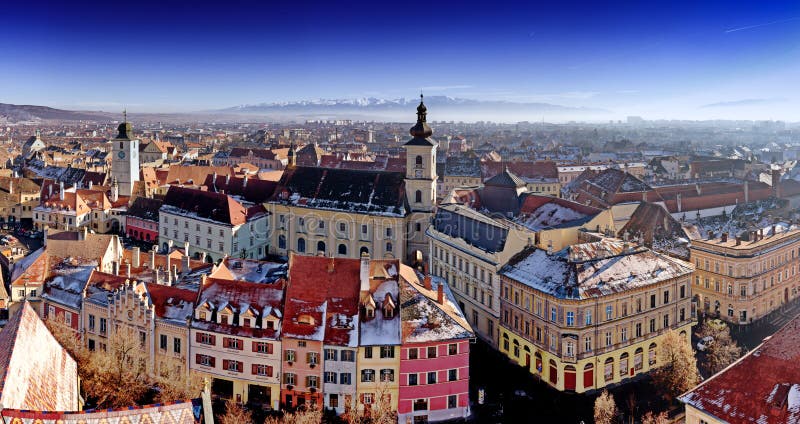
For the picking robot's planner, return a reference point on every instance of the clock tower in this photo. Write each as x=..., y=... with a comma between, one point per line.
x=420, y=183
x=125, y=157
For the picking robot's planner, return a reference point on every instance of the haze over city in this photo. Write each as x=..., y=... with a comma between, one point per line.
x=659, y=60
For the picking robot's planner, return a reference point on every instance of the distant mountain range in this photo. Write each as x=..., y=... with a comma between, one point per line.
x=18, y=113
x=441, y=108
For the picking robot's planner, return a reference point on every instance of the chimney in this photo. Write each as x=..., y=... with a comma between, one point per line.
x=129, y=270
x=90, y=184
x=158, y=277
x=61, y=190
x=153, y=257
x=45, y=232
x=169, y=270
x=115, y=268
x=776, y=182
x=175, y=273
x=331, y=265
x=203, y=256
x=244, y=183
x=135, y=257
x=440, y=293
x=680, y=204
x=426, y=282
x=738, y=240
x=773, y=230
x=214, y=179
x=49, y=191
x=364, y=273
x=186, y=248
x=227, y=180
x=84, y=233
x=746, y=191
x=724, y=237
x=185, y=265
x=11, y=186
x=203, y=280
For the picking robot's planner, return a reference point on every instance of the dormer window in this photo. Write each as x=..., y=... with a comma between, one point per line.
x=305, y=320
x=246, y=322
x=203, y=316
x=388, y=312
x=225, y=319
x=270, y=325
x=370, y=310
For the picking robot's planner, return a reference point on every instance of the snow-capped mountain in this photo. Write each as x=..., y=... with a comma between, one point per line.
x=403, y=109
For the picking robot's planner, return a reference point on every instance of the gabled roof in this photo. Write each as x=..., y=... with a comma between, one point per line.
x=250, y=189
x=241, y=296
x=37, y=373
x=145, y=208
x=315, y=284
x=505, y=179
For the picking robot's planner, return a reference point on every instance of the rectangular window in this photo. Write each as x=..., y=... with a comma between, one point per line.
x=368, y=352
x=452, y=375
x=103, y=326
x=387, y=351
x=345, y=378
x=290, y=355
x=91, y=322
x=262, y=347
x=348, y=356
x=452, y=349
x=452, y=401
x=262, y=370
x=412, y=380
x=413, y=353
x=432, y=377
x=176, y=345
x=367, y=376
x=387, y=375
x=289, y=378
x=553, y=314
x=330, y=354
x=609, y=312
x=330, y=377
x=570, y=319
x=588, y=315
x=163, y=342
x=432, y=351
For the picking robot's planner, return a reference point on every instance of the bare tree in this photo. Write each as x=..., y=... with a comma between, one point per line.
x=117, y=375
x=307, y=416
x=723, y=350
x=605, y=409
x=174, y=384
x=651, y=418
x=379, y=412
x=677, y=371
x=235, y=414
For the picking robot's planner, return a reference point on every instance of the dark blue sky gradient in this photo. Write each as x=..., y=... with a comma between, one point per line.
x=656, y=59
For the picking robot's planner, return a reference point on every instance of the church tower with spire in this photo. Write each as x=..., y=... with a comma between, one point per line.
x=125, y=157
x=420, y=182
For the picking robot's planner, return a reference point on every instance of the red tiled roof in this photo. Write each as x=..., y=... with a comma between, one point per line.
x=314, y=280
x=758, y=387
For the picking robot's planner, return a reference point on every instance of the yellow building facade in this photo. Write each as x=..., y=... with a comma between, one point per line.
x=742, y=279
x=581, y=321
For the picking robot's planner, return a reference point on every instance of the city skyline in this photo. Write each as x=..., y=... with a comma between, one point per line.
x=657, y=60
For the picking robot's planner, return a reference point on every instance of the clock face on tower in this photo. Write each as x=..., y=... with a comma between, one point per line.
x=121, y=155
x=418, y=173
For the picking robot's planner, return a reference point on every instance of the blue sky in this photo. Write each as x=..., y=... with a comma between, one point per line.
x=655, y=59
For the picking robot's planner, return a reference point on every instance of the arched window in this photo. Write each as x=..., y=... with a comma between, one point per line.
x=363, y=250
x=321, y=246
x=301, y=245
x=342, y=249
x=418, y=196
x=281, y=242
x=419, y=161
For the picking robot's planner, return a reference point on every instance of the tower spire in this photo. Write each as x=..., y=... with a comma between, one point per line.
x=421, y=129
x=125, y=115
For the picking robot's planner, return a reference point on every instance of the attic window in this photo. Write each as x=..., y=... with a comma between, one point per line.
x=388, y=311
x=203, y=316
x=246, y=322
x=224, y=318
x=370, y=311
x=305, y=320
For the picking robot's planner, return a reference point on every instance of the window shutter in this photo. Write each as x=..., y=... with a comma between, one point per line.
x=255, y=369
x=225, y=364
x=197, y=359
x=197, y=337
x=213, y=340
x=255, y=347
x=240, y=344
x=269, y=371
x=269, y=348
x=308, y=357
x=213, y=361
